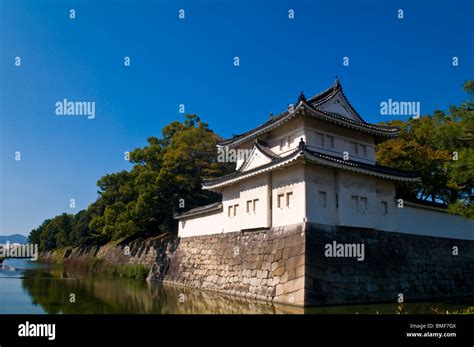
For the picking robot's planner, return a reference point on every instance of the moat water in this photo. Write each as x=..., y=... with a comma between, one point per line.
x=33, y=288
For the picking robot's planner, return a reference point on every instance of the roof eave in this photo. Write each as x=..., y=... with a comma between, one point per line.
x=307, y=155
x=388, y=133
x=277, y=164
x=345, y=166
x=199, y=211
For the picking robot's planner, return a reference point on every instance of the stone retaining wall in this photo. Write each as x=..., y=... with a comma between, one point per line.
x=289, y=265
x=147, y=252
x=265, y=264
x=418, y=267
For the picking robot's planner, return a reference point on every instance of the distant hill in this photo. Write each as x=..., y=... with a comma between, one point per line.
x=15, y=238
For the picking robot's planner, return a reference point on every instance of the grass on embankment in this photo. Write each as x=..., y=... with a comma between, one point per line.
x=131, y=271
x=100, y=268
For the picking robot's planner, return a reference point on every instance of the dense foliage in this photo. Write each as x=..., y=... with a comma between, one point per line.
x=440, y=146
x=165, y=179
x=167, y=174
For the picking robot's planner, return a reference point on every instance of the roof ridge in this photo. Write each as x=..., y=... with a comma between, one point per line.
x=351, y=165
x=313, y=104
x=332, y=89
x=262, y=145
x=273, y=161
x=199, y=209
x=355, y=163
x=336, y=88
x=349, y=120
x=258, y=144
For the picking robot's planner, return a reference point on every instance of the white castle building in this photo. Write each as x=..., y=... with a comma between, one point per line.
x=315, y=163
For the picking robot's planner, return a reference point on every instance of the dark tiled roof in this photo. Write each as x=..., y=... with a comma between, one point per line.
x=269, y=122
x=216, y=206
x=312, y=104
x=376, y=127
x=322, y=159
x=237, y=174
x=329, y=93
x=263, y=147
x=365, y=166
x=427, y=203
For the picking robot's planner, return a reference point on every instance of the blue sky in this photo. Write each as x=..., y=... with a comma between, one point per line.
x=190, y=61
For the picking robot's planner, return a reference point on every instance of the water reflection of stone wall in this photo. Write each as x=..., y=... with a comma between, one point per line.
x=107, y=296
x=263, y=265
x=288, y=265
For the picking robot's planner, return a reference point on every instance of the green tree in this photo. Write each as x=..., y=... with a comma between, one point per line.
x=35, y=235
x=80, y=234
x=53, y=233
x=167, y=172
x=440, y=147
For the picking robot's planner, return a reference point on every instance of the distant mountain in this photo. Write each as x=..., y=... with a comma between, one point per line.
x=15, y=238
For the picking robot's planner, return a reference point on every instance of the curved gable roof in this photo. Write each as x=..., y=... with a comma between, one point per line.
x=330, y=105
x=303, y=153
x=259, y=156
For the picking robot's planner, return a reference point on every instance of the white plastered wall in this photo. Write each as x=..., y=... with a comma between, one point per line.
x=289, y=180
x=421, y=220
x=343, y=137
x=320, y=183
x=206, y=224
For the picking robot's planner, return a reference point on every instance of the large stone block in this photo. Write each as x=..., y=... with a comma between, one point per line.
x=283, y=265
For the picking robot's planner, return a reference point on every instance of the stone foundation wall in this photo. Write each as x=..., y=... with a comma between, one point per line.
x=288, y=264
x=419, y=267
x=147, y=252
x=265, y=265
